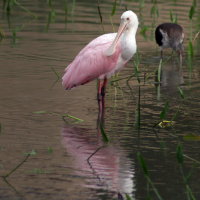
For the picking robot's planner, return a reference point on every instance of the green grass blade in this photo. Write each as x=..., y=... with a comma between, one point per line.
x=72, y=117
x=137, y=113
x=103, y=133
x=191, y=12
x=179, y=154
x=159, y=70
x=40, y=112
x=154, y=188
x=142, y=163
x=128, y=197
x=164, y=112
x=114, y=7
x=181, y=93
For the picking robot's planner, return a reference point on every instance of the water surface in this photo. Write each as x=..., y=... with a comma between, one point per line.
x=33, y=102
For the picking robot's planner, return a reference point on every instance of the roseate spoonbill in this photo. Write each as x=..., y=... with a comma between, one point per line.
x=170, y=35
x=103, y=56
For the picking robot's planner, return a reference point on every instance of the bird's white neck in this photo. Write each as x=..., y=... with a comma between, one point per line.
x=128, y=43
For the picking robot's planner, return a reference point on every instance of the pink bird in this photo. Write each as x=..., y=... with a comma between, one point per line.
x=103, y=56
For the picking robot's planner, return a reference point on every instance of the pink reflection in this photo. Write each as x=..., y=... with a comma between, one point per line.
x=108, y=168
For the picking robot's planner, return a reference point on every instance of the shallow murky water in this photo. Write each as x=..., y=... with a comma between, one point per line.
x=69, y=159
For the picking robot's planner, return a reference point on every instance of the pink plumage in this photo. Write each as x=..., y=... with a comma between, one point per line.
x=91, y=62
x=103, y=56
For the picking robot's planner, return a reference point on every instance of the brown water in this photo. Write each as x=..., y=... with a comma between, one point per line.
x=60, y=168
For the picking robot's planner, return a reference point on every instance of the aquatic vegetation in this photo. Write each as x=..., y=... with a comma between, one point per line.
x=154, y=13
x=100, y=15
x=191, y=137
x=31, y=153
x=2, y=34
x=9, y=4
x=164, y=111
x=154, y=9
x=128, y=197
x=64, y=116
x=138, y=112
x=19, y=165
x=159, y=71
x=103, y=133
x=114, y=7
x=190, y=55
x=173, y=17
x=181, y=93
x=56, y=73
x=180, y=159
x=40, y=112
x=192, y=10
x=50, y=150
x=66, y=12
x=38, y=171
x=51, y=15
x=141, y=5
x=143, y=31
x=147, y=175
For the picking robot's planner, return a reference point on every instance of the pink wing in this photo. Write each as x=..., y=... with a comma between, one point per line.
x=91, y=62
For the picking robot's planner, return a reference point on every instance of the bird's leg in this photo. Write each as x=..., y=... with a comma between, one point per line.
x=101, y=105
x=99, y=97
x=180, y=58
x=103, y=88
x=100, y=120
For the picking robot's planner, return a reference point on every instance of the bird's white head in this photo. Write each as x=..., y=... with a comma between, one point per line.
x=129, y=20
x=129, y=24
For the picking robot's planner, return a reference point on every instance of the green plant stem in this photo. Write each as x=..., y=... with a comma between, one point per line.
x=154, y=188
x=13, y=170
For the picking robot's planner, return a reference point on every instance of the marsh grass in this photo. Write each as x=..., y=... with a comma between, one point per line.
x=181, y=93
x=51, y=14
x=8, y=6
x=18, y=165
x=173, y=17
x=75, y=119
x=192, y=10
x=103, y=133
x=191, y=43
x=164, y=112
x=138, y=111
x=143, y=31
x=100, y=15
x=190, y=55
x=66, y=12
x=145, y=170
x=50, y=150
x=180, y=159
x=154, y=13
x=114, y=7
x=128, y=197
x=2, y=34
x=65, y=117
x=159, y=70
x=38, y=171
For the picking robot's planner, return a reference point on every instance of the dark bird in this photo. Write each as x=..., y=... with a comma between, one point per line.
x=170, y=35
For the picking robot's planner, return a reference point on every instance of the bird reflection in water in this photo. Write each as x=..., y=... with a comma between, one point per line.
x=102, y=165
x=171, y=78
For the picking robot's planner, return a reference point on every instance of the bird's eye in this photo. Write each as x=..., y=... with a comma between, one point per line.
x=127, y=18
